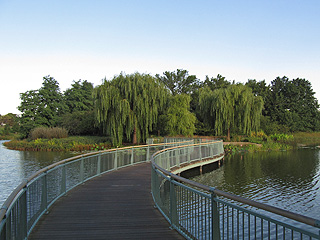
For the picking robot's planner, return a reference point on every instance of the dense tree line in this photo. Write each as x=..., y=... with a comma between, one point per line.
x=129, y=107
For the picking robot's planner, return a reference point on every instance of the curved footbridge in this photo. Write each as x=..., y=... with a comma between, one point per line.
x=116, y=205
x=58, y=202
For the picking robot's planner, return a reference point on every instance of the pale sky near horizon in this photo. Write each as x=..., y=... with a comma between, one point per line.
x=90, y=40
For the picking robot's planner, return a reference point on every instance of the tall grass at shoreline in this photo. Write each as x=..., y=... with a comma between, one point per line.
x=74, y=143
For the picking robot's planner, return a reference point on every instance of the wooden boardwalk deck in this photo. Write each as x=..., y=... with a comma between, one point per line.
x=116, y=205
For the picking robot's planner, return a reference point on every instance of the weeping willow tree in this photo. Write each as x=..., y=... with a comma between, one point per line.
x=178, y=120
x=128, y=106
x=231, y=109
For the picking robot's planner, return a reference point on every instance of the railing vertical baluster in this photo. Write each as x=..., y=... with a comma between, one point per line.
x=232, y=223
x=249, y=226
x=261, y=228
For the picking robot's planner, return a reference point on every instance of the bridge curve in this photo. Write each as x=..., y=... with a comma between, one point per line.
x=116, y=205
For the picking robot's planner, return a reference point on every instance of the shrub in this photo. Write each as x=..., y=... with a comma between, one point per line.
x=48, y=133
x=281, y=137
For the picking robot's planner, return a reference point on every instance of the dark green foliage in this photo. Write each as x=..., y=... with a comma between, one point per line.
x=217, y=82
x=41, y=107
x=10, y=123
x=79, y=123
x=178, y=120
x=292, y=103
x=179, y=82
x=79, y=97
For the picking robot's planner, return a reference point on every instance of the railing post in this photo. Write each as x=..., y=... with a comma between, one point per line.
x=44, y=196
x=148, y=153
x=215, y=217
x=64, y=180
x=23, y=217
x=99, y=164
x=176, y=156
x=81, y=170
x=173, y=205
x=116, y=159
x=132, y=159
x=189, y=154
x=8, y=227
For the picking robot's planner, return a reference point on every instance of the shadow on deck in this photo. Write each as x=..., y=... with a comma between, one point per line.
x=116, y=205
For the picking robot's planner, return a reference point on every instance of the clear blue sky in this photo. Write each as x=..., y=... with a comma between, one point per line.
x=93, y=39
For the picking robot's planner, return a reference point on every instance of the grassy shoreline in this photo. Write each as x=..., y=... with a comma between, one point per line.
x=253, y=143
x=74, y=143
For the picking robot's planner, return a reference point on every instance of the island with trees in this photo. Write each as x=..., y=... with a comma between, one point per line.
x=129, y=108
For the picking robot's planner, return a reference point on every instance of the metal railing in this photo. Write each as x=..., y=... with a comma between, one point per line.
x=202, y=212
x=195, y=210
x=32, y=198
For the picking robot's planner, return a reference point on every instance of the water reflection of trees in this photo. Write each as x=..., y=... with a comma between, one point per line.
x=287, y=179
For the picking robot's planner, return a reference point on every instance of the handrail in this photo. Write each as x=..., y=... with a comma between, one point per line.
x=171, y=177
x=19, y=190
x=181, y=153
x=298, y=217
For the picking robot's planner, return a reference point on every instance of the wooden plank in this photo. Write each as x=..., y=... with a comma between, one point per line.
x=116, y=205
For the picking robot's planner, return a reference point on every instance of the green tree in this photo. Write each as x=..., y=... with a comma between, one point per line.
x=233, y=109
x=41, y=107
x=292, y=103
x=179, y=81
x=178, y=120
x=129, y=106
x=79, y=123
x=79, y=96
x=217, y=82
x=260, y=88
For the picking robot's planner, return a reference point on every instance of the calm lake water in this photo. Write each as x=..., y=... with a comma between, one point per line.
x=15, y=166
x=289, y=180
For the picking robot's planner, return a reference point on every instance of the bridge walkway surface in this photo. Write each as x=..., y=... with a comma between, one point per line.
x=115, y=205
